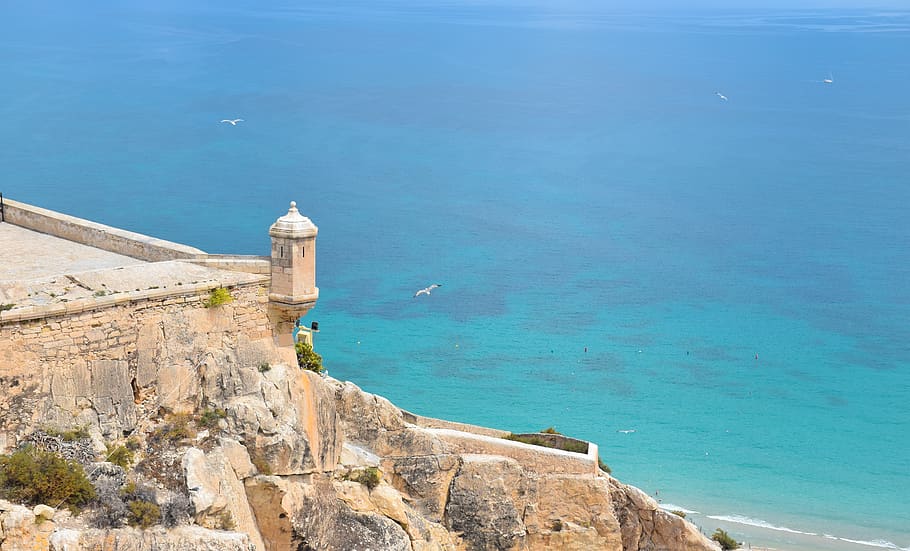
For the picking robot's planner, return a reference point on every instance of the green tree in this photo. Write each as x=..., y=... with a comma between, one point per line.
x=307, y=358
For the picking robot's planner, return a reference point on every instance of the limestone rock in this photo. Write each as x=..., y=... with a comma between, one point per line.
x=218, y=495
x=20, y=530
x=43, y=511
x=324, y=522
x=481, y=507
x=184, y=538
x=238, y=456
x=426, y=480
x=644, y=526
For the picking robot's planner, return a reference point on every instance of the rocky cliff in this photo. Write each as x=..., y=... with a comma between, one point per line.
x=241, y=449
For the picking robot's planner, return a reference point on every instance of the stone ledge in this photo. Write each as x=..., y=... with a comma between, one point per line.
x=78, y=306
x=534, y=458
x=99, y=236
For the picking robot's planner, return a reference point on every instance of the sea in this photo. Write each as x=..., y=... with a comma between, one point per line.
x=715, y=291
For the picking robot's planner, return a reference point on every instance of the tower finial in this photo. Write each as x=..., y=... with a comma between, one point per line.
x=293, y=207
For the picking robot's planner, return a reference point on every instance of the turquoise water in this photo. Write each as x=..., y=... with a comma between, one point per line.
x=738, y=270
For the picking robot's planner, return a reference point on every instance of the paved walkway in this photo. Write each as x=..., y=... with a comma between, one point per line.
x=26, y=254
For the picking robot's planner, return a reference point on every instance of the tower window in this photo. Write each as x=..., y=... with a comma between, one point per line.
x=303, y=252
x=281, y=252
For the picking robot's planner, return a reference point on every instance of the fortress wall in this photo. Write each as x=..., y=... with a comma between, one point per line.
x=237, y=263
x=534, y=458
x=96, y=235
x=432, y=423
x=87, y=367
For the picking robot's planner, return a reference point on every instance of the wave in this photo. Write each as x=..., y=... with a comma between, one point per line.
x=875, y=543
x=739, y=519
x=672, y=507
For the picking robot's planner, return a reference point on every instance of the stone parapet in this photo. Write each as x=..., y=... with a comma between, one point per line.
x=89, y=304
x=236, y=263
x=432, y=423
x=538, y=459
x=100, y=236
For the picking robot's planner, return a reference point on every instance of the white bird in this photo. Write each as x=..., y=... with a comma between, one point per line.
x=626, y=431
x=721, y=96
x=830, y=79
x=232, y=121
x=427, y=290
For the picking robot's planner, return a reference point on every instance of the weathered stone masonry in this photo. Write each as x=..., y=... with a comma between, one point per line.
x=49, y=367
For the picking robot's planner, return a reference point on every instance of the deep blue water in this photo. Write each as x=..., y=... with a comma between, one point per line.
x=738, y=270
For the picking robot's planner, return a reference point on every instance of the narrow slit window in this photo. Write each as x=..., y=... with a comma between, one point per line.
x=281, y=252
x=303, y=252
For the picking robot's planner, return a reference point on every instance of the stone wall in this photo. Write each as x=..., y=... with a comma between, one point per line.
x=99, y=367
x=97, y=235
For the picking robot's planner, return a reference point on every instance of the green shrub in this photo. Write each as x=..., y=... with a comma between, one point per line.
x=307, y=358
x=72, y=435
x=369, y=477
x=217, y=297
x=603, y=466
x=210, y=417
x=226, y=521
x=120, y=456
x=550, y=430
x=176, y=428
x=143, y=514
x=680, y=514
x=264, y=366
x=4, y=307
x=724, y=539
x=261, y=464
x=35, y=476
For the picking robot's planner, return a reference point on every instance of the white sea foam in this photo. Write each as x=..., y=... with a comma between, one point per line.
x=875, y=543
x=739, y=519
x=672, y=507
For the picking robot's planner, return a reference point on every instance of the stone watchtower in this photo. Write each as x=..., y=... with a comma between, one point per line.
x=292, y=291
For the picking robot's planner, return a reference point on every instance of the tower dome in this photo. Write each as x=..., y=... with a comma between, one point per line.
x=293, y=261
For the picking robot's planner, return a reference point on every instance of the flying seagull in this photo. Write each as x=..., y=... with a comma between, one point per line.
x=427, y=290
x=232, y=121
x=721, y=96
x=830, y=79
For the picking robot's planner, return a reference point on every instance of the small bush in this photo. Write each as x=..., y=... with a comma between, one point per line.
x=176, y=428
x=4, y=307
x=556, y=525
x=226, y=521
x=176, y=511
x=603, y=466
x=369, y=477
x=680, y=514
x=307, y=358
x=143, y=514
x=218, y=297
x=550, y=430
x=724, y=539
x=35, y=476
x=210, y=417
x=120, y=456
x=264, y=366
x=72, y=435
x=109, y=509
x=261, y=465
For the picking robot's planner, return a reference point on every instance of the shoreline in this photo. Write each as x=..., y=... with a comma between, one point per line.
x=790, y=539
